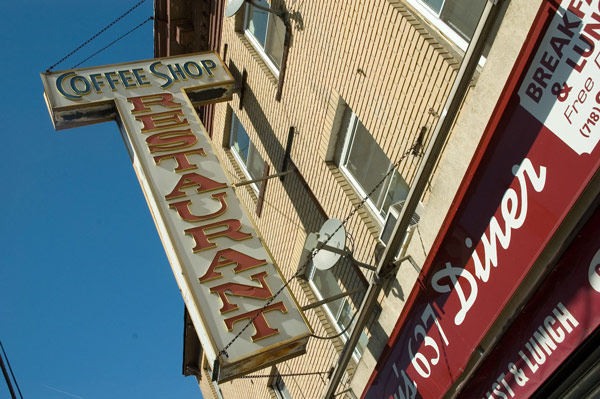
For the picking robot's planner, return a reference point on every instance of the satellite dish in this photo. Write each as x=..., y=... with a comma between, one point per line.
x=327, y=247
x=233, y=7
x=332, y=234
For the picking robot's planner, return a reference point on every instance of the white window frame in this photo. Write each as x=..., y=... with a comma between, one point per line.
x=278, y=392
x=256, y=44
x=357, y=354
x=252, y=152
x=434, y=19
x=348, y=135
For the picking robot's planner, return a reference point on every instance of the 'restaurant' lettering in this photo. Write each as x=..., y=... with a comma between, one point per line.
x=183, y=162
x=162, y=120
x=183, y=209
x=231, y=231
x=228, y=257
x=249, y=291
x=257, y=317
x=166, y=128
x=171, y=140
x=193, y=179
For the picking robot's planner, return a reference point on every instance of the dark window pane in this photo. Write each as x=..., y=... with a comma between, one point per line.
x=397, y=192
x=255, y=163
x=239, y=139
x=366, y=161
x=274, y=42
x=462, y=15
x=257, y=22
x=327, y=284
x=435, y=5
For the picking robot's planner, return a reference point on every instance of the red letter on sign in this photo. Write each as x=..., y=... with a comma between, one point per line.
x=232, y=231
x=183, y=209
x=258, y=321
x=226, y=257
x=248, y=291
x=171, y=140
x=183, y=163
x=162, y=120
x=140, y=103
x=192, y=180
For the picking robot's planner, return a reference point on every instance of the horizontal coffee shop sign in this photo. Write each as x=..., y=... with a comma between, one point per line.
x=224, y=271
x=84, y=96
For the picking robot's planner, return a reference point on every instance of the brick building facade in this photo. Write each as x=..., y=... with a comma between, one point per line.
x=356, y=87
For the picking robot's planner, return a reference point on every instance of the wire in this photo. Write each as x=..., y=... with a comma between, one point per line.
x=10, y=369
x=284, y=374
x=95, y=36
x=342, y=332
x=301, y=269
x=114, y=41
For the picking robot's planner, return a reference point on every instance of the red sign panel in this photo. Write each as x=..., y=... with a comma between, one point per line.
x=538, y=153
x=561, y=315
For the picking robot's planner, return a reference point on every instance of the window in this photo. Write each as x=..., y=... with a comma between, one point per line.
x=365, y=164
x=457, y=19
x=245, y=152
x=279, y=387
x=325, y=284
x=266, y=32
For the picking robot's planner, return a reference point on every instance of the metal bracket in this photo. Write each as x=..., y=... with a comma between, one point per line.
x=246, y=182
x=332, y=298
x=346, y=254
x=215, y=369
x=409, y=258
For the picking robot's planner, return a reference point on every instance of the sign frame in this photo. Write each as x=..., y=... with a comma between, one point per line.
x=156, y=125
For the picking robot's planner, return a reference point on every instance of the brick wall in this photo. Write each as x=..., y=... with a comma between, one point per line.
x=373, y=56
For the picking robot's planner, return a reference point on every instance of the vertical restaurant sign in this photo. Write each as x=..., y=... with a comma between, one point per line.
x=560, y=316
x=538, y=153
x=225, y=273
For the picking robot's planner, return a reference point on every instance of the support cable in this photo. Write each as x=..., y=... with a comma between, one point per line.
x=285, y=374
x=95, y=36
x=11, y=373
x=341, y=333
x=301, y=269
x=114, y=41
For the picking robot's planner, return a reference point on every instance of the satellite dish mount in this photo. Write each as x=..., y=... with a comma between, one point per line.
x=329, y=245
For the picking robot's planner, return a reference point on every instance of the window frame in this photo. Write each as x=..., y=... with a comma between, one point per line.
x=252, y=152
x=281, y=394
x=348, y=133
x=435, y=19
x=260, y=49
x=335, y=318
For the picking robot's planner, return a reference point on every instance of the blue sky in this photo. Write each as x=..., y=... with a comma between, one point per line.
x=90, y=307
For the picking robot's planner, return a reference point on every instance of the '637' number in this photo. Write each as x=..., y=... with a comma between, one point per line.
x=420, y=362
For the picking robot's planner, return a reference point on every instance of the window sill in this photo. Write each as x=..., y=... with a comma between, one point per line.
x=259, y=58
x=444, y=44
x=373, y=223
x=327, y=324
x=239, y=174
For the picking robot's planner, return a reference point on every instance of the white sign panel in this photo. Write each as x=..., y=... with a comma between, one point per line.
x=225, y=274
x=562, y=89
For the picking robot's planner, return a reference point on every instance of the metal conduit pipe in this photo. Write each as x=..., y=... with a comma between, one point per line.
x=441, y=132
